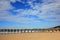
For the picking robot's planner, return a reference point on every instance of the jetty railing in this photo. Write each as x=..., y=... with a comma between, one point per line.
x=27, y=30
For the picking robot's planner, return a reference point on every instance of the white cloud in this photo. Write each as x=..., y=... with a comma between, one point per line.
x=42, y=11
x=5, y=5
x=15, y=0
x=4, y=14
x=48, y=11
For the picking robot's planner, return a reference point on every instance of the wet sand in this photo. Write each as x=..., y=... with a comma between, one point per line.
x=31, y=36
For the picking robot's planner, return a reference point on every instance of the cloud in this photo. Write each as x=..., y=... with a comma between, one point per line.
x=17, y=0
x=5, y=5
x=13, y=0
x=45, y=11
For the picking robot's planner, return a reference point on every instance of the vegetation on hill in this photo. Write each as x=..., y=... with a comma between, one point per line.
x=57, y=27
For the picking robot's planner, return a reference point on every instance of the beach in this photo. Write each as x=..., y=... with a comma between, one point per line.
x=31, y=36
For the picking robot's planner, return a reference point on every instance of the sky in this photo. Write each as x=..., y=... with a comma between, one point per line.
x=29, y=13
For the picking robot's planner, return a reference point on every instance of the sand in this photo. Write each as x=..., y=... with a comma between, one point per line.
x=31, y=36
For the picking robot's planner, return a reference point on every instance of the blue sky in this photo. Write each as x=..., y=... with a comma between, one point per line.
x=29, y=13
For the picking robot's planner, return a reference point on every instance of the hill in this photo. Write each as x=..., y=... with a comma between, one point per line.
x=57, y=27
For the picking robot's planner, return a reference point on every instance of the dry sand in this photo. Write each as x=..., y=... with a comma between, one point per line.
x=31, y=36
